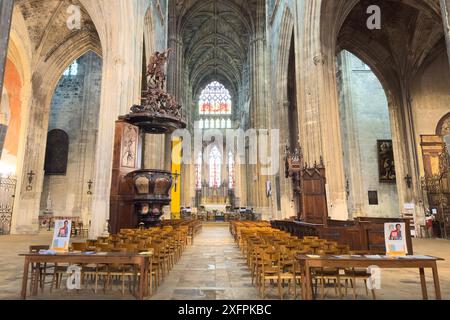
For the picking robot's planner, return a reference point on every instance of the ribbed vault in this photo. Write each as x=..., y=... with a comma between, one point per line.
x=410, y=35
x=46, y=21
x=216, y=36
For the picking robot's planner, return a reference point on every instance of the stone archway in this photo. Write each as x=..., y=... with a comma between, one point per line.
x=443, y=127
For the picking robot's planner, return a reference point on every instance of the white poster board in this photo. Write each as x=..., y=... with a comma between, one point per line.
x=395, y=239
x=61, y=235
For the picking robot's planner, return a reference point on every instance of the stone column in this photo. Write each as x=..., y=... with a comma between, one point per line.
x=261, y=117
x=176, y=79
x=6, y=8
x=445, y=9
x=405, y=152
x=318, y=105
x=352, y=150
x=120, y=27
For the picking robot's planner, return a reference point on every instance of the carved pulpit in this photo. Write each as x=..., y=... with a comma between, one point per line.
x=138, y=195
x=309, y=187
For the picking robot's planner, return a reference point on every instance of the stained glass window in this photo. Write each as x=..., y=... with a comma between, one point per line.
x=215, y=99
x=215, y=162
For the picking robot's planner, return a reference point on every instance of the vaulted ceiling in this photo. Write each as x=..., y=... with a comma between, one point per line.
x=410, y=36
x=46, y=21
x=216, y=36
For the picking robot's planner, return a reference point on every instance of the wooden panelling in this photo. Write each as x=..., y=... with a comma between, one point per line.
x=126, y=159
x=365, y=234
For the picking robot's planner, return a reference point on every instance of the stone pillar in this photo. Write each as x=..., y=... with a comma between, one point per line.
x=175, y=85
x=6, y=8
x=120, y=27
x=445, y=9
x=318, y=105
x=286, y=188
x=405, y=152
x=352, y=150
x=153, y=144
x=261, y=117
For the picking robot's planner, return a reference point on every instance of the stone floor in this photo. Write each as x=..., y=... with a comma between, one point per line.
x=213, y=268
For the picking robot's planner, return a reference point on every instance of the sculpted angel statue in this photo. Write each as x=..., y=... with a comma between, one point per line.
x=156, y=68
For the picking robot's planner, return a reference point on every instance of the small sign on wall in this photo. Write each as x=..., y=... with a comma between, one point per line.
x=409, y=206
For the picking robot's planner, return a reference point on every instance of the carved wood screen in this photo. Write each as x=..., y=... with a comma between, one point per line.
x=436, y=179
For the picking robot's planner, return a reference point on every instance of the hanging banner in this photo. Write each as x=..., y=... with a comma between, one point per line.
x=175, y=207
x=395, y=239
x=61, y=235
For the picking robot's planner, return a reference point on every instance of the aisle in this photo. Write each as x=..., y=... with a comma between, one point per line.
x=212, y=269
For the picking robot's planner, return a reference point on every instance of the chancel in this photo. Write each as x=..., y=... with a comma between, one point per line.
x=224, y=150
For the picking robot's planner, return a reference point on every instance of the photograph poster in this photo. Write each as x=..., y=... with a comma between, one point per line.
x=395, y=237
x=61, y=235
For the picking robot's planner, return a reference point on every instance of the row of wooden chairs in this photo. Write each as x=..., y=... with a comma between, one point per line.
x=166, y=244
x=270, y=255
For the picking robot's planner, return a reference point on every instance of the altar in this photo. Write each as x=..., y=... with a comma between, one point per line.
x=215, y=207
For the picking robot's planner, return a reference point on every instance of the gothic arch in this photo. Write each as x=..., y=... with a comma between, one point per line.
x=443, y=127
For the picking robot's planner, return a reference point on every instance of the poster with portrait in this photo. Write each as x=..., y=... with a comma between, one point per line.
x=386, y=164
x=61, y=235
x=395, y=239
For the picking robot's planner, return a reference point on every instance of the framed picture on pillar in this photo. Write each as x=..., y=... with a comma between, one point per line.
x=386, y=163
x=129, y=150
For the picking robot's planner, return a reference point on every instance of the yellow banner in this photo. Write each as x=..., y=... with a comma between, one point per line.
x=176, y=170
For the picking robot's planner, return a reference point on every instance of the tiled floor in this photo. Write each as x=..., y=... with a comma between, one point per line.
x=213, y=268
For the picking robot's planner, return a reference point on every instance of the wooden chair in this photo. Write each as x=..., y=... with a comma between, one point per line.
x=42, y=270
x=79, y=246
x=270, y=270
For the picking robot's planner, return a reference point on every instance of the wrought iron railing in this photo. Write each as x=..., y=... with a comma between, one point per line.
x=7, y=192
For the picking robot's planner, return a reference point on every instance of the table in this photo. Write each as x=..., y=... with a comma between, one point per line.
x=143, y=262
x=384, y=262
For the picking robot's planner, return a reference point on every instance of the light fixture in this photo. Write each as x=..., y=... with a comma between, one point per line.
x=7, y=170
x=30, y=175
x=175, y=176
x=408, y=180
x=90, y=182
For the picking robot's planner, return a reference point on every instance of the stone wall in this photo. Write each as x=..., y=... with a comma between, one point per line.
x=364, y=120
x=75, y=109
x=430, y=99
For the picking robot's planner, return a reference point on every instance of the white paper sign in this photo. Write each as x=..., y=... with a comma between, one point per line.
x=409, y=206
x=61, y=235
x=395, y=239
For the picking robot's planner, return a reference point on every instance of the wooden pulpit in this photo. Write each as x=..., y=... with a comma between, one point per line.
x=126, y=159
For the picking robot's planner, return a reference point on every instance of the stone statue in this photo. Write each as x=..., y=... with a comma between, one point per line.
x=48, y=209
